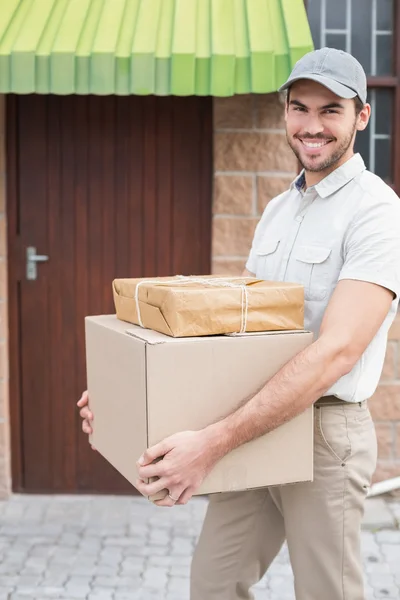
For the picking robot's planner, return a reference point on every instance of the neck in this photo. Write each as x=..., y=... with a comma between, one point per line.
x=314, y=177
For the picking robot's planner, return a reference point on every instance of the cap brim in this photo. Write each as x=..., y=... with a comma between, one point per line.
x=337, y=88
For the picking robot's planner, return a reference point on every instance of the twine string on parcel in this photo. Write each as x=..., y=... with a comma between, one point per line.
x=214, y=282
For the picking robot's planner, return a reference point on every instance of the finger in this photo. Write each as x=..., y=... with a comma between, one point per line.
x=86, y=428
x=85, y=413
x=153, y=470
x=93, y=448
x=170, y=499
x=149, y=489
x=151, y=454
x=83, y=399
x=185, y=497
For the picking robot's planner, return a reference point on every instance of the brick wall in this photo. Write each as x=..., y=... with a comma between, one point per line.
x=385, y=409
x=5, y=479
x=252, y=165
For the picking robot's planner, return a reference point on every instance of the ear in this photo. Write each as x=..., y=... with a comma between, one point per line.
x=363, y=117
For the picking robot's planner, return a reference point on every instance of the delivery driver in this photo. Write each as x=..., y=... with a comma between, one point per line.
x=336, y=230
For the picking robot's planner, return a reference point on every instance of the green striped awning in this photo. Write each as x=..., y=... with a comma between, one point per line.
x=163, y=47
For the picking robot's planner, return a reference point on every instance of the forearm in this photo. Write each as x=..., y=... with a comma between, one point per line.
x=294, y=388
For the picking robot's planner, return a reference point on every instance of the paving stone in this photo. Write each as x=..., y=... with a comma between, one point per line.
x=48, y=591
x=178, y=585
x=114, y=548
x=106, y=582
x=388, y=537
x=106, y=571
x=377, y=515
x=180, y=571
x=42, y=551
x=50, y=580
x=69, y=539
x=381, y=580
x=181, y=547
x=387, y=592
x=9, y=580
x=26, y=591
x=378, y=568
x=71, y=591
x=109, y=561
x=161, y=561
x=155, y=577
x=101, y=595
x=79, y=580
x=391, y=552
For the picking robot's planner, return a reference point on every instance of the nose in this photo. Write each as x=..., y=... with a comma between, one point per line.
x=313, y=125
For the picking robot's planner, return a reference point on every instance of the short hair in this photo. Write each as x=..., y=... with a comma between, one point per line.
x=359, y=104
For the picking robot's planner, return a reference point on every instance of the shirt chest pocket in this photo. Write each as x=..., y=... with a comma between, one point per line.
x=267, y=259
x=315, y=270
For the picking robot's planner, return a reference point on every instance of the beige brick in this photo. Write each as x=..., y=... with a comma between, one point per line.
x=3, y=359
x=268, y=188
x=253, y=152
x=397, y=439
x=2, y=194
x=384, y=433
x=394, y=331
x=386, y=470
x=3, y=244
x=389, y=367
x=3, y=438
x=5, y=471
x=232, y=236
x=270, y=111
x=235, y=112
x=385, y=403
x=3, y=279
x=233, y=194
x=4, y=399
x=226, y=266
x=3, y=320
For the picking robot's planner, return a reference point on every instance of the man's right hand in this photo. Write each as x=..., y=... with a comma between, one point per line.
x=85, y=413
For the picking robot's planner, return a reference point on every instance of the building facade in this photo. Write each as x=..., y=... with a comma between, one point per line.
x=182, y=192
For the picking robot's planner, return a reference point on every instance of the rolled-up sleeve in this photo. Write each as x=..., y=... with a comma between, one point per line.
x=372, y=246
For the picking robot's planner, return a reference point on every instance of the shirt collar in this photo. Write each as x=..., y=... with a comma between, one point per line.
x=335, y=180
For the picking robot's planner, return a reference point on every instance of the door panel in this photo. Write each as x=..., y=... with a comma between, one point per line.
x=106, y=187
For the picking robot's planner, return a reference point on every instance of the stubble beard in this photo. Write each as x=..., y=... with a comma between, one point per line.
x=331, y=160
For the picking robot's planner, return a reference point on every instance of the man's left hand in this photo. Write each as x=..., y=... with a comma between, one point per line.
x=186, y=459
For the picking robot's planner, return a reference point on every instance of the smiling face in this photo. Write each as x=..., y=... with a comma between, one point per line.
x=321, y=127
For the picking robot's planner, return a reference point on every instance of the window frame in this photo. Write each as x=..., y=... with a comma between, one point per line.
x=391, y=82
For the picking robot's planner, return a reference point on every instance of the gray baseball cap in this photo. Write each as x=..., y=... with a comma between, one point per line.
x=339, y=71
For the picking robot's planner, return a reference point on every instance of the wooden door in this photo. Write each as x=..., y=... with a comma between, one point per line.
x=105, y=187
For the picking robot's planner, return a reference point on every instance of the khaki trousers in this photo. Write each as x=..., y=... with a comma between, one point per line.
x=321, y=521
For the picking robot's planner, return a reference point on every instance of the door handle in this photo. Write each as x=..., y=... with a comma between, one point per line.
x=31, y=261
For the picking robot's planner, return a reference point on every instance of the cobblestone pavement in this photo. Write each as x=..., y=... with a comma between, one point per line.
x=124, y=548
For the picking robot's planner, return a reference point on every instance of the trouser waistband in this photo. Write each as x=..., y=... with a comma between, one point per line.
x=333, y=401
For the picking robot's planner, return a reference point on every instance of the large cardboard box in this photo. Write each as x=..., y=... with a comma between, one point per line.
x=144, y=386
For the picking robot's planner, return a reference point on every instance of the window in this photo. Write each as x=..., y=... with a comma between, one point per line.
x=368, y=29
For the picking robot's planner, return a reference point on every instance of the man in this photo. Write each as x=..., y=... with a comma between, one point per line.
x=337, y=231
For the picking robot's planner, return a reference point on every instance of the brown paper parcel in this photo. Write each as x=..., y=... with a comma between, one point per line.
x=209, y=305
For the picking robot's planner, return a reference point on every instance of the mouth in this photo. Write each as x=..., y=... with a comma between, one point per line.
x=314, y=146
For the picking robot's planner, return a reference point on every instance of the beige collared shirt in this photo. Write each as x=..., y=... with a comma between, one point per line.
x=345, y=227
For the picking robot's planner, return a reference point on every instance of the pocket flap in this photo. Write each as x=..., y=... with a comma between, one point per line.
x=313, y=254
x=267, y=247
